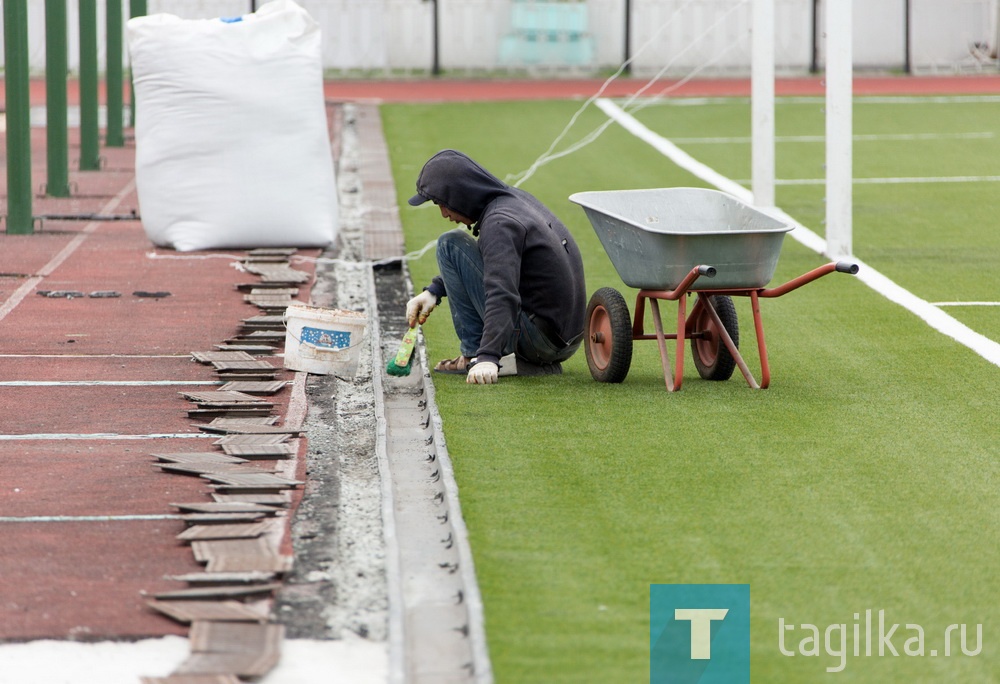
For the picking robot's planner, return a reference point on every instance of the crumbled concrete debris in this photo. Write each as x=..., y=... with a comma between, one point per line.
x=338, y=588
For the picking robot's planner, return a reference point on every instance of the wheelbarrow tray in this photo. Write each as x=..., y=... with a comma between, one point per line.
x=654, y=237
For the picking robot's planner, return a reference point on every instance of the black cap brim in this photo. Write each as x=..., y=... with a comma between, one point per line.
x=417, y=200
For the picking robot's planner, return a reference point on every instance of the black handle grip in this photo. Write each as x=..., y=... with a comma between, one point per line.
x=708, y=271
x=847, y=267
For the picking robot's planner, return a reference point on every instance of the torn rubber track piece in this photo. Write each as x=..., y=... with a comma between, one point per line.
x=61, y=294
x=190, y=610
x=228, y=592
x=222, y=578
x=152, y=295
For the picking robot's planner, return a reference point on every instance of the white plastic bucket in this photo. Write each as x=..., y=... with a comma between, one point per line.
x=323, y=341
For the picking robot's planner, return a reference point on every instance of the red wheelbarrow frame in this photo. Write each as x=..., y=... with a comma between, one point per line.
x=685, y=323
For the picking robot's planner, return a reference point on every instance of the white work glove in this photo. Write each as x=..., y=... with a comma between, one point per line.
x=482, y=373
x=420, y=307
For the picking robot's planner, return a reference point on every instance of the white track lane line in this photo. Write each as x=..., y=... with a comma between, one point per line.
x=88, y=518
x=95, y=356
x=104, y=383
x=38, y=436
x=929, y=313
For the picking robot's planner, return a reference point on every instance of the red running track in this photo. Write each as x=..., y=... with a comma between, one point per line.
x=86, y=524
x=456, y=90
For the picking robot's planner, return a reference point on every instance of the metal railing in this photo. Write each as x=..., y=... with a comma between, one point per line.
x=19, y=218
x=15, y=21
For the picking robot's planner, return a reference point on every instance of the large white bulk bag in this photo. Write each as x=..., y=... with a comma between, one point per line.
x=232, y=145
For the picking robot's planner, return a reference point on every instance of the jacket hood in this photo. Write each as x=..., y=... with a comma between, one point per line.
x=452, y=179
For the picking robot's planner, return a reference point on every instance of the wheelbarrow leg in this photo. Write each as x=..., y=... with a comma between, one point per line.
x=661, y=342
x=639, y=323
x=681, y=329
x=728, y=341
x=765, y=368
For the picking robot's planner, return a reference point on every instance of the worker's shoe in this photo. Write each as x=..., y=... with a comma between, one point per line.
x=526, y=369
x=456, y=366
x=508, y=365
x=513, y=365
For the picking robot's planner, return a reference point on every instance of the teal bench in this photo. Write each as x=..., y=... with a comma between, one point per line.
x=545, y=33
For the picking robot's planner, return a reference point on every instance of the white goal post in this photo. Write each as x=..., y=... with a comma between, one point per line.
x=839, y=114
x=839, y=129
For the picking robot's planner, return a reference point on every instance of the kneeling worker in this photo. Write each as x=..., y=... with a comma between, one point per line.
x=517, y=291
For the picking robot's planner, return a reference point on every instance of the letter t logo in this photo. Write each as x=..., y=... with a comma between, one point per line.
x=701, y=628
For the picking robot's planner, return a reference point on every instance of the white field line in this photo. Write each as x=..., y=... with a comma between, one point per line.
x=893, y=181
x=932, y=315
x=820, y=100
x=966, y=303
x=913, y=99
x=865, y=137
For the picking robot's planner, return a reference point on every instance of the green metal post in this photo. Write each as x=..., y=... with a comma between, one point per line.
x=90, y=158
x=137, y=8
x=113, y=75
x=15, y=30
x=56, y=66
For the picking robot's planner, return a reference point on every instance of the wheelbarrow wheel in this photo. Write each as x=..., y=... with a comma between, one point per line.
x=711, y=357
x=608, y=342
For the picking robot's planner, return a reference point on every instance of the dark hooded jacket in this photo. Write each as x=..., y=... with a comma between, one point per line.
x=531, y=261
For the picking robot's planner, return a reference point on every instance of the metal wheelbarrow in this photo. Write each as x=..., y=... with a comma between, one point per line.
x=669, y=243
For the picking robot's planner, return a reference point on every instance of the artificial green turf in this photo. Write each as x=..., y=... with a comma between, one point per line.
x=864, y=478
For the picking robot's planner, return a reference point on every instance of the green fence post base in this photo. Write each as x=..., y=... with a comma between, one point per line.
x=113, y=75
x=90, y=156
x=137, y=8
x=16, y=88
x=56, y=129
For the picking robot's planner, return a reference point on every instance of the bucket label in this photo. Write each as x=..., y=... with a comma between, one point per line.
x=330, y=339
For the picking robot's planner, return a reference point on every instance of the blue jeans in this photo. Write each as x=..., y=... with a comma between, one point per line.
x=461, y=266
